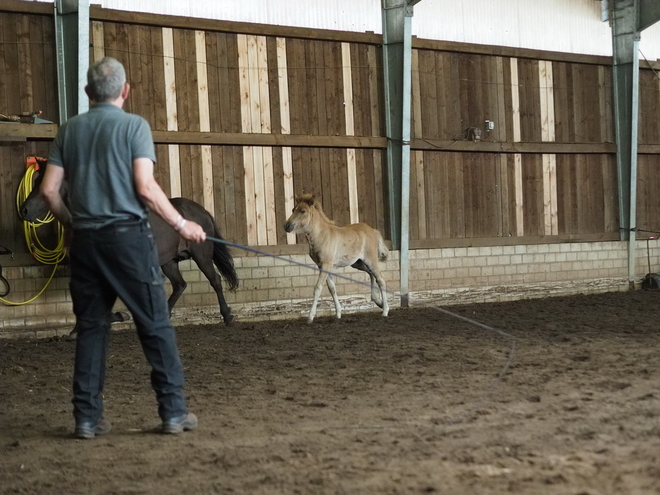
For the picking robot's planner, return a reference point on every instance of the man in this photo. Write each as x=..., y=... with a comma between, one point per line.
x=107, y=157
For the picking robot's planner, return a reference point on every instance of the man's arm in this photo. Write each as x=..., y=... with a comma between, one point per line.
x=156, y=200
x=50, y=192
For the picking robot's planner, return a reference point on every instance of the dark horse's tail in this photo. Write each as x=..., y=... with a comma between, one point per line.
x=223, y=259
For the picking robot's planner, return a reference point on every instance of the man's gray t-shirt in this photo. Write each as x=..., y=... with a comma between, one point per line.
x=97, y=149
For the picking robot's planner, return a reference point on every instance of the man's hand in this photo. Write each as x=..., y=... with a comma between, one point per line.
x=193, y=232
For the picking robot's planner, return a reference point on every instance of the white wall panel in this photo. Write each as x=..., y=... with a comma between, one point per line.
x=573, y=26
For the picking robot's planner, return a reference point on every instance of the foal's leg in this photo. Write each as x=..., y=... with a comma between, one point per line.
x=333, y=293
x=378, y=296
x=317, y=294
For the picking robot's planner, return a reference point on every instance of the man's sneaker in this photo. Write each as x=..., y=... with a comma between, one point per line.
x=90, y=430
x=182, y=423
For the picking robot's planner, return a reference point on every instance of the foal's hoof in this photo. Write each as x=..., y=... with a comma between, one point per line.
x=229, y=319
x=72, y=336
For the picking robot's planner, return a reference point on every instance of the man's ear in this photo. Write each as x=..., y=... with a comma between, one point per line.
x=125, y=90
x=88, y=93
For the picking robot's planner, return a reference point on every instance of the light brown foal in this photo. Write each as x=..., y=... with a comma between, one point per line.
x=357, y=245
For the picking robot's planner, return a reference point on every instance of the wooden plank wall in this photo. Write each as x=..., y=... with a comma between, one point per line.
x=458, y=193
x=246, y=116
x=28, y=83
x=193, y=81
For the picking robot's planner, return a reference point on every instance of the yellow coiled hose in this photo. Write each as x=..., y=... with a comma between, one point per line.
x=39, y=252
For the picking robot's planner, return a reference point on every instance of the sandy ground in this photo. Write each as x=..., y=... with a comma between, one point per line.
x=407, y=404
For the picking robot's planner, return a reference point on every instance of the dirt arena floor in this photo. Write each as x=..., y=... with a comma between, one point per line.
x=407, y=404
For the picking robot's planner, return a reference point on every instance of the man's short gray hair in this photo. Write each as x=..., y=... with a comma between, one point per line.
x=106, y=79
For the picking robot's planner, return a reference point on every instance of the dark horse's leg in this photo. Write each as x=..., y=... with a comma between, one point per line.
x=172, y=272
x=203, y=256
x=116, y=316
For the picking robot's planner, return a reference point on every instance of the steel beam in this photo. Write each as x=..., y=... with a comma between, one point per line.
x=397, y=65
x=72, y=48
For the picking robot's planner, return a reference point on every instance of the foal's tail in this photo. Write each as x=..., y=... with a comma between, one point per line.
x=382, y=248
x=223, y=260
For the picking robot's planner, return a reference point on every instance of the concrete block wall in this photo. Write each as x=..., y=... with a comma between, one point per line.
x=282, y=287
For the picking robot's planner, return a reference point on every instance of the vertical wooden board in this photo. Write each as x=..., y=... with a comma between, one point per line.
x=427, y=83
x=25, y=64
x=183, y=91
x=347, y=83
x=530, y=118
x=606, y=105
x=357, y=69
x=202, y=82
x=48, y=70
x=649, y=107
x=185, y=171
x=4, y=45
x=273, y=85
x=220, y=177
x=157, y=75
x=503, y=200
x=152, y=73
x=447, y=121
x=334, y=89
x=420, y=196
x=40, y=83
x=250, y=193
x=471, y=194
x=577, y=107
x=315, y=58
x=565, y=200
x=253, y=81
x=361, y=90
x=560, y=85
x=97, y=51
x=138, y=94
x=340, y=187
x=233, y=88
x=451, y=77
x=110, y=39
x=280, y=210
x=457, y=193
x=498, y=101
x=591, y=96
x=471, y=92
x=314, y=70
x=258, y=181
x=295, y=57
x=416, y=98
x=237, y=160
x=507, y=97
x=376, y=96
x=610, y=195
x=283, y=84
x=162, y=168
x=11, y=76
x=436, y=188
x=244, y=81
x=365, y=186
x=532, y=188
x=382, y=198
x=213, y=61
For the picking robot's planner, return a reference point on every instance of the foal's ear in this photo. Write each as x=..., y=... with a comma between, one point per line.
x=311, y=199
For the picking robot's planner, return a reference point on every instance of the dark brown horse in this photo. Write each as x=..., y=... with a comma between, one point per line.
x=171, y=247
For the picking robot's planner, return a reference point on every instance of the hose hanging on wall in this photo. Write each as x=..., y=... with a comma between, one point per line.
x=39, y=252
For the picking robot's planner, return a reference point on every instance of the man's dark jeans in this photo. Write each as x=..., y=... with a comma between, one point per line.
x=121, y=261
